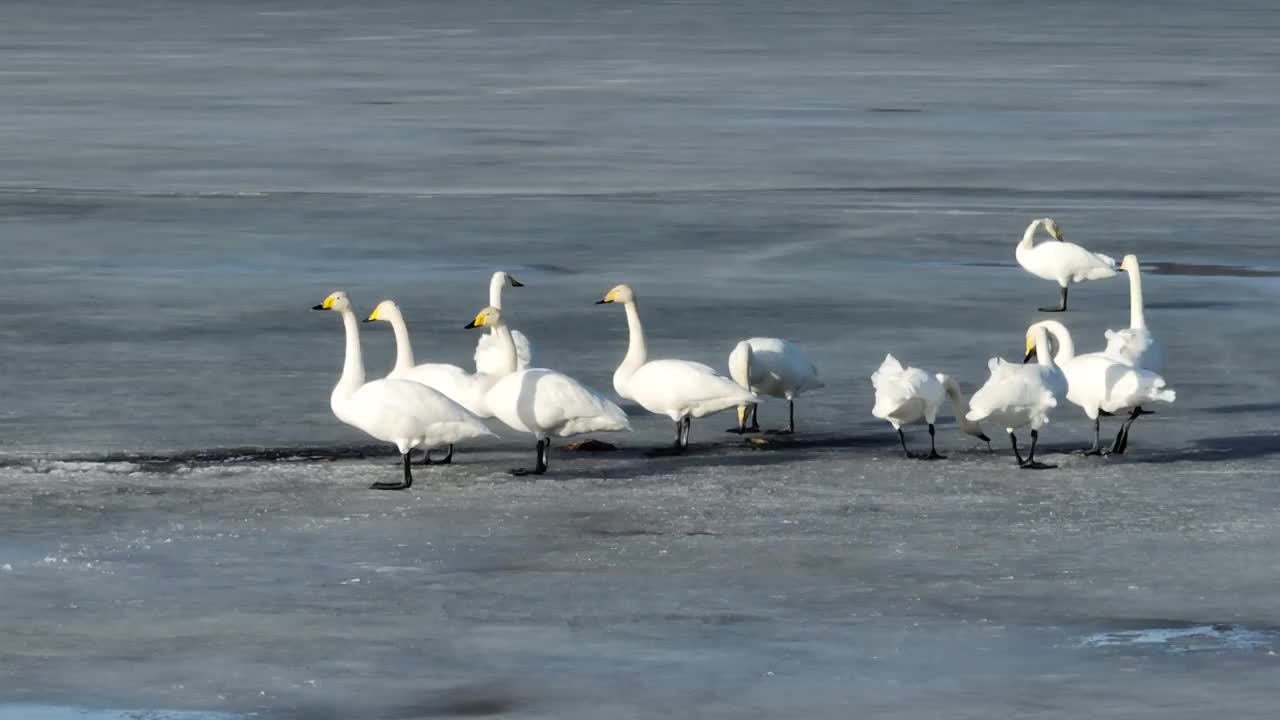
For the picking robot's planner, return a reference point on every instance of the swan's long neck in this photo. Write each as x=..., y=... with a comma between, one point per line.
x=495, y=290
x=353, y=366
x=506, y=348
x=637, y=352
x=1066, y=349
x=1028, y=237
x=960, y=405
x=1137, y=319
x=404, y=349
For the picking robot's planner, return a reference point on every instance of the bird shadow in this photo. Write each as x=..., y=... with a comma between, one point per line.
x=1216, y=449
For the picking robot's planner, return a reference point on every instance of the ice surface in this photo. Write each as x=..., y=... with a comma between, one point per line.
x=184, y=525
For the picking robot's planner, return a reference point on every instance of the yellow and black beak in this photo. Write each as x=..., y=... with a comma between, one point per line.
x=372, y=316
x=326, y=305
x=319, y=307
x=1031, y=352
x=478, y=322
x=606, y=299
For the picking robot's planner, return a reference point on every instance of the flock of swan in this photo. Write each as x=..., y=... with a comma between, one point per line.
x=434, y=405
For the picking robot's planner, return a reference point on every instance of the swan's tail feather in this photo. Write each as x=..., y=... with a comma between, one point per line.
x=889, y=366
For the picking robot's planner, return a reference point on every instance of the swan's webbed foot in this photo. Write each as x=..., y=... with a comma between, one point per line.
x=389, y=486
x=743, y=431
x=540, y=461
x=1091, y=452
x=1036, y=465
x=521, y=472
x=933, y=455
x=783, y=431
x=1062, y=304
x=446, y=460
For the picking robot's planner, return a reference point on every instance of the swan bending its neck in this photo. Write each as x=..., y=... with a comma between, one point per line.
x=1038, y=337
x=959, y=405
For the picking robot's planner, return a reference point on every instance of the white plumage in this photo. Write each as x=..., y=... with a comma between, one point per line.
x=679, y=389
x=403, y=412
x=907, y=394
x=1018, y=396
x=774, y=367
x=1136, y=345
x=1059, y=260
x=489, y=357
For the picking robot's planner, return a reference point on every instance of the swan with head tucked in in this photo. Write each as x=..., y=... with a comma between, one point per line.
x=679, y=389
x=403, y=412
x=1135, y=345
x=466, y=389
x=540, y=401
x=489, y=357
x=773, y=367
x=905, y=395
x=1018, y=396
x=1060, y=260
x=1099, y=383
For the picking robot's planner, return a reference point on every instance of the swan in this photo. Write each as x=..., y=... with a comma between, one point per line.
x=904, y=395
x=1099, y=383
x=1060, y=260
x=489, y=358
x=1134, y=345
x=1016, y=396
x=543, y=402
x=679, y=389
x=403, y=412
x=460, y=386
x=774, y=367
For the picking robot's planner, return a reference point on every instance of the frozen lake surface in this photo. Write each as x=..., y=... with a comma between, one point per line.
x=185, y=530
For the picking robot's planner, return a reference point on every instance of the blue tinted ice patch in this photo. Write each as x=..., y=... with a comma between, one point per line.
x=70, y=712
x=1188, y=639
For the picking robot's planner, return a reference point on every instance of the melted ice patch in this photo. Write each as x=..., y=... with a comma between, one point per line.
x=1192, y=638
x=67, y=712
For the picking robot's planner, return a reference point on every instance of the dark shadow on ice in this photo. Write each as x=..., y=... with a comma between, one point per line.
x=1214, y=449
x=1242, y=408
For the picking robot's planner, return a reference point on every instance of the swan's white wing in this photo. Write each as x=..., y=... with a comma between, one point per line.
x=411, y=414
x=1137, y=347
x=896, y=387
x=1015, y=390
x=488, y=356
x=548, y=402
x=679, y=387
x=780, y=368
x=457, y=384
x=1068, y=260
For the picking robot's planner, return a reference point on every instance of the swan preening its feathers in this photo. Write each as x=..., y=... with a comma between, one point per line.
x=1060, y=260
x=406, y=413
x=540, y=401
x=679, y=389
x=905, y=395
x=773, y=367
x=430, y=405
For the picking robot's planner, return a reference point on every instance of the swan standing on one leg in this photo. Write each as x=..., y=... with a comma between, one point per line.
x=403, y=412
x=679, y=389
x=460, y=386
x=774, y=367
x=1060, y=260
x=1017, y=396
x=543, y=402
x=1134, y=345
x=904, y=395
x=489, y=359
x=1097, y=382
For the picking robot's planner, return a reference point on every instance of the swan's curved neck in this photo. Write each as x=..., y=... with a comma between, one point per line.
x=1137, y=318
x=637, y=352
x=1028, y=237
x=353, y=365
x=404, y=349
x=507, y=350
x=959, y=403
x=495, y=290
x=1066, y=348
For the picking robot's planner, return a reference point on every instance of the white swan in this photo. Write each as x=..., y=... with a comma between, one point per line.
x=489, y=358
x=1134, y=345
x=1098, y=382
x=543, y=402
x=774, y=367
x=1060, y=260
x=679, y=389
x=403, y=412
x=905, y=395
x=1016, y=396
x=460, y=386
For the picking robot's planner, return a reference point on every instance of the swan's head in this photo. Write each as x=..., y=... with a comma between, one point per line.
x=1129, y=263
x=488, y=317
x=386, y=310
x=1051, y=226
x=1032, y=350
x=336, y=302
x=621, y=294
x=505, y=278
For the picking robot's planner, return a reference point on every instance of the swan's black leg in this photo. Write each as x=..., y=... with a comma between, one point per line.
x=405, y=485
x=1017, y=455
x=539, y=463
x=903, y=439
x=933, y=449
x=1122, y=438
x=446, y=460
x=755, y=417
x=1062, y=303
x=791, y=420
x=1031, y=463
x=752, y=410
x=684, y=434
x=679, y=435
x=1097, y=442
